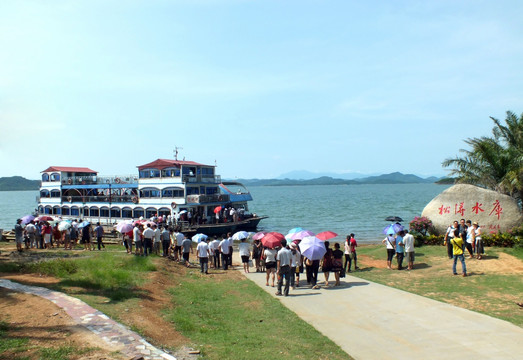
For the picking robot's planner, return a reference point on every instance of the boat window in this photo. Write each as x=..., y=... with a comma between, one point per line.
x=172, y=193
x=138, y=212
x=66, y=211
x=48, y=210
x=127, y=213
x=55, y=193
x=207, y=172
x=115, y=212
x=211, y=190
x=150, y=212
x=45, y=177
x=55, y=177
x=44, y=193
x=94, y=211
x=193, y=190
x=149, y=173
x=75, y=211
x=171, y=172
x=150, y=193
x=164, y=212
x=104, y=212
x=191, y=171
x=56, y=210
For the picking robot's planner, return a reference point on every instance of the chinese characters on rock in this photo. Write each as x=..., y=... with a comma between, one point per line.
x=477, y=208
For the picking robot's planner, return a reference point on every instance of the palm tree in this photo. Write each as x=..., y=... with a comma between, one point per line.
x=493, y=162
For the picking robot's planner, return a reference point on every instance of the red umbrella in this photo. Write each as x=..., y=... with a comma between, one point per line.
x=44, y=218
x=326, y=235
x=272, y=239
x=217, y=209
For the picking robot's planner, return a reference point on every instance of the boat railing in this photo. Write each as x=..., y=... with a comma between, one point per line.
x=95, y=180
x=217, y=179
x=204, y=199
x=99, y=198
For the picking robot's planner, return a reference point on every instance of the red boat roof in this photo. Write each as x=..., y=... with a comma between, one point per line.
x=165, y=163
x=70, y=169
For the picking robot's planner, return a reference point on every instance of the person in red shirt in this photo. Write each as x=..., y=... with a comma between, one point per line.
x=353, y=245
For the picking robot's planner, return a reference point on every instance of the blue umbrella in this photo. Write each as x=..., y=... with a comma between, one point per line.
x=27, y=219
x=83, y=224
x=199, y=237
x=392, y=229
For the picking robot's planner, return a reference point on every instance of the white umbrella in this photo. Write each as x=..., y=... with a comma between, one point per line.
x=124, y=227
x=64, y=225
x=240, y=235
x=312, y=248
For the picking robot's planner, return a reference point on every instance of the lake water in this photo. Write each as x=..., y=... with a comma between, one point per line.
x=360, y=209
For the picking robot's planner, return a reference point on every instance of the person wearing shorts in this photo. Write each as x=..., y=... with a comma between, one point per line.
x=245, y=254
x=389, y=241
x=137, y=237
x=187, y=248
x=270, y=264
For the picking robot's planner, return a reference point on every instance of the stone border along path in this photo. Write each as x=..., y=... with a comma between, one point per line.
x=372, y=321
x=97, y=322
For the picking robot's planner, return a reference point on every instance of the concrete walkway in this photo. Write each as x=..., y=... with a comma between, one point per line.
x=372, y=321
x=130, y=343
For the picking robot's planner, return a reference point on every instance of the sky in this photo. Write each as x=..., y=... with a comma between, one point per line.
x=259, y=88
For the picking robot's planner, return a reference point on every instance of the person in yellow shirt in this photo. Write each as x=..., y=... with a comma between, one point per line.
x=457, y=252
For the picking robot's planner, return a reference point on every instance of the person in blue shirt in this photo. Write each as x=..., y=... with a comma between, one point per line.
x=400, y=249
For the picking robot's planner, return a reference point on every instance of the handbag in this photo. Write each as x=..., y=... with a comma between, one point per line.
x=342, y=273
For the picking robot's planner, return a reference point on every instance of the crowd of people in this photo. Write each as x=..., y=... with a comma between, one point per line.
x=460, y=236
x=43, y=235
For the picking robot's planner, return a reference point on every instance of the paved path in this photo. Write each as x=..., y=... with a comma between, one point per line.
x=110, y=331
x=372, y=321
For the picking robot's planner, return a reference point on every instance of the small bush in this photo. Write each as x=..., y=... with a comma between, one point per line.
x=422, y=225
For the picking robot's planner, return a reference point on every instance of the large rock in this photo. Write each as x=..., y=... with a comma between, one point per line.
x=493, y=211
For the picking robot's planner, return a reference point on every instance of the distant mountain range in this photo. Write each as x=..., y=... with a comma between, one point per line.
x=18, y=183
x=393, y=178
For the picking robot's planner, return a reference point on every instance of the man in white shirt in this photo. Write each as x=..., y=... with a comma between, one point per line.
x=224, y=250
x=178, y=245
x=202, y=251
x=157, y=239
x=408, y=240
x=148, y=235
x=137, y=237
x=283, y=269
x=215, y=252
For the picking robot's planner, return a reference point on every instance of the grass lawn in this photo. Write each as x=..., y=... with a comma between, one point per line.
x=224, y=316
x=493, y=287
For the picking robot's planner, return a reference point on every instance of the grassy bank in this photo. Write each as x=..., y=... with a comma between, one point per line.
x=493, y=287
x=223, y=315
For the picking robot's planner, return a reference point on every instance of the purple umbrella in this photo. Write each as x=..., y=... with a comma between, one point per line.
x=27, y=219
x=312, y=248
x=392, y=229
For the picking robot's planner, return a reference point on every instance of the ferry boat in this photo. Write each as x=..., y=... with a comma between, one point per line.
x=161, y=188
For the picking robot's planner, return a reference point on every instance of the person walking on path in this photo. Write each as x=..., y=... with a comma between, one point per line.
x=257, y=249
x=337, y=263
x=448, y=236
x=224, y=251
x=186, y=249
x=202, y=251
x=99, y=232
x=326, y=265
x=390, y=242
x=400, y=249
x=283, y=264
x=245, y=254
x=408, y=240
x=270, y=264
x=295, y=265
